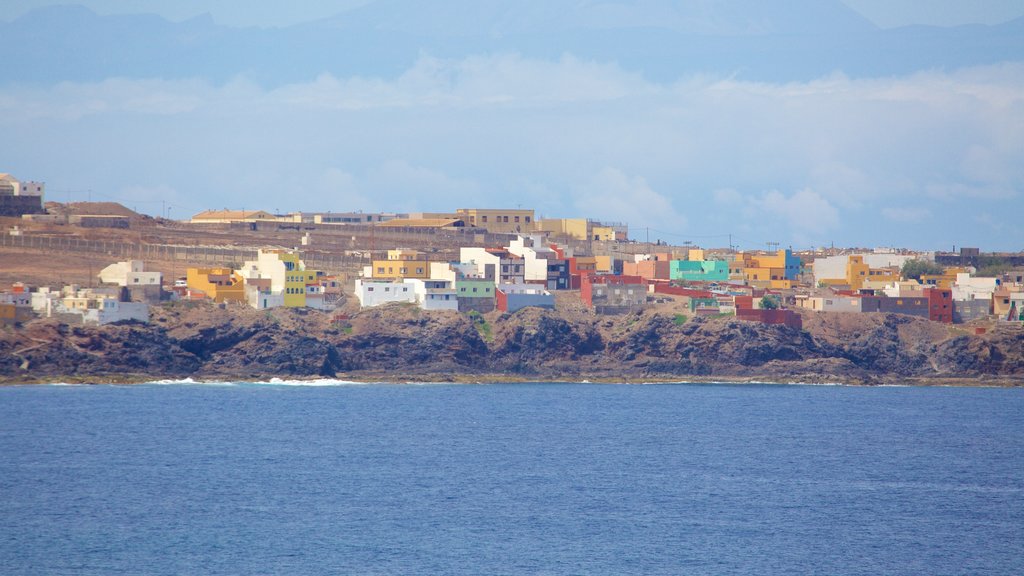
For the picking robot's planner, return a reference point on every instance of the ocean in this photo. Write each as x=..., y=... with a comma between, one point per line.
x=337, y=478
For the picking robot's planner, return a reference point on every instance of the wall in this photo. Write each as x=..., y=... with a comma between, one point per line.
x=969, y=310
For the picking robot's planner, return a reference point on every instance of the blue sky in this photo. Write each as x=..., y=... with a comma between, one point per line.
x=885, y=13
x=925, y=158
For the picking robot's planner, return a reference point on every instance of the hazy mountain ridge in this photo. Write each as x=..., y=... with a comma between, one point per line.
x=664, y=39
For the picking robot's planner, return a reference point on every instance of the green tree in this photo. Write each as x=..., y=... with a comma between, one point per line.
x=769, y=303
x=914, y=269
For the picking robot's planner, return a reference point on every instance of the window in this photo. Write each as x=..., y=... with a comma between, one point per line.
x=483, y=218
x=474, y=290
x=370, y=289
x=402, y=270
x=419, y=270
x=527, y=219
x=517, y=218
x=387, y=289
x=380, y=270
x=506, y=219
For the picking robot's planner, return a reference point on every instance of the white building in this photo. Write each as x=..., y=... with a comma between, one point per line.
x=495, y=263
x=512, y=297
x=967, y=288
x=11, y=186
x=435, y=294
x=130, y=273
x=371, y=293
x=834, y=267
x=261, y=299
x=537, y=260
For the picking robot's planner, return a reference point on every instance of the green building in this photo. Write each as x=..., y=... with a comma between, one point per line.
x=699, y=270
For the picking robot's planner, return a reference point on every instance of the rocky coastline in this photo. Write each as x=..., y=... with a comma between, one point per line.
x=397, y=343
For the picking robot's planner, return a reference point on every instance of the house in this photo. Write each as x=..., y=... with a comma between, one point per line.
x=372, y=293
x=582, y=229
x=130, y=273
x=497, y=263
x=513, y=297
x=608, y=294
x=498, y=221
x=833, y=303
x=970, y=310
x=909, y=305
x=19, y=198
x=11, y=314
x=74, y=305
x=649, y=266
x=287, y=274
x=434, y=294
x=219, y=284
x=832, y=270
x=401, y=263
x=476, y=294
x=1008, y=301
x=966, y=287
x=777, y=271
x=541, y=264
x=858, y=271
x=699, y=270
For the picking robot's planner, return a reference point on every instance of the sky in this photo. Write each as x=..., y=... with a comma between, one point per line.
x=926, y=160
x=884, y=13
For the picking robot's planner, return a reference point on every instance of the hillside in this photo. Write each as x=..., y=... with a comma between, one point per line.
x=399, y=343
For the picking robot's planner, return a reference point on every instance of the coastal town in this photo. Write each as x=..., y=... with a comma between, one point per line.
x=482, y=260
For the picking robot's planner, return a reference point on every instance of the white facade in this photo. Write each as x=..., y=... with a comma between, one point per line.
x=522, y=295
x=966, y=288
x=114, y=311
x=262, y=299
x=535, y=255
x=831, y=304
x=434, y=294
x=505, y=268
x=371, y=293
x=130, y=273
x=11, y=186
x=834, y=267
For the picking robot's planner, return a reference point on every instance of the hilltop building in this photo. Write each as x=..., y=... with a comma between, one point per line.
x=19, y=198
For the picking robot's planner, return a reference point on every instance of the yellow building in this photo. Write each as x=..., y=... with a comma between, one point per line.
x=859, y=272
x=943, y=281
x=778, y=271
x=400, y=264
x=602, y=233
x=577, y=228
x=295, y=286
x=497, y=220
x=571, y=227
x=603, y=264
x=219, y=284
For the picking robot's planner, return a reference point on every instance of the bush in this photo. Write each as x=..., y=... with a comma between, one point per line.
x=914, y=269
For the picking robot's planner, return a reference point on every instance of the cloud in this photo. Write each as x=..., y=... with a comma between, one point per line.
x=568, y=137
x=613, y=196
x=907, y=214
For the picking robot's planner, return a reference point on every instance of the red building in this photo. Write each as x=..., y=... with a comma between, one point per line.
x=940, y=305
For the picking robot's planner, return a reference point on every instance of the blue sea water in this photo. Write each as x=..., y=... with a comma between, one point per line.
x=510, y=479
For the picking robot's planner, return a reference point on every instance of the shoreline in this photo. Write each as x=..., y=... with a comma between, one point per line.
x=483, y=379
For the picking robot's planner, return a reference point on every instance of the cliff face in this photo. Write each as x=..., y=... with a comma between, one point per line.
x=397, y=342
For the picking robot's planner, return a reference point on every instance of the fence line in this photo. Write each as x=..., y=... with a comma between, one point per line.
x=203, y=255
